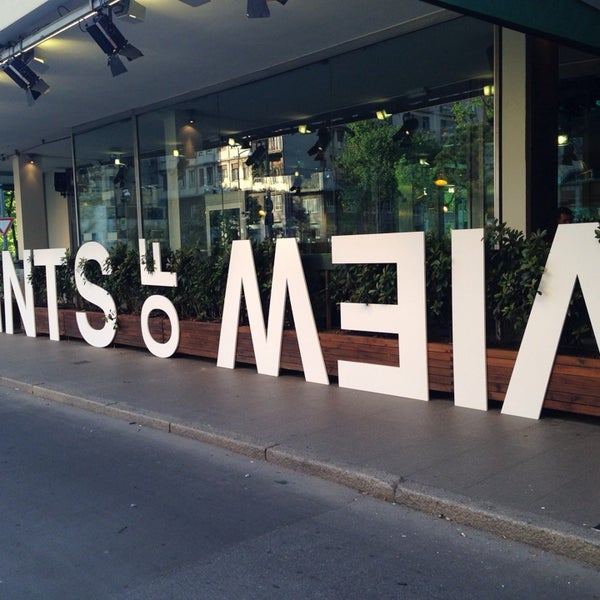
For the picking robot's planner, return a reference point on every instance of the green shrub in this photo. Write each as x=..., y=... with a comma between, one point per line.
x=201, y=281
x=514, y=266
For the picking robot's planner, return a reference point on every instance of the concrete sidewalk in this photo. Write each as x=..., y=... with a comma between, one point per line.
x=536, y=482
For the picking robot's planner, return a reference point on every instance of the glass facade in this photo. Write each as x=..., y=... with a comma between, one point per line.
x=579, y=135
x=106, y=185
x=363, y=142
x=429, y=169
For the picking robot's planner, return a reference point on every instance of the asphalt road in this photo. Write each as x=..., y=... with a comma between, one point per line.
x=92, y=508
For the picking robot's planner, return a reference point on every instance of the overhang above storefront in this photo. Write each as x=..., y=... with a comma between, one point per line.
x=575, y=22
x=186, y=50
x=192, y=50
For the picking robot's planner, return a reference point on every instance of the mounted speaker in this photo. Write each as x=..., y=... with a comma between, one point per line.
x=62, y=182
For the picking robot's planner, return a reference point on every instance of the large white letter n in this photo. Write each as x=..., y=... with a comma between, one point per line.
x=287, y=275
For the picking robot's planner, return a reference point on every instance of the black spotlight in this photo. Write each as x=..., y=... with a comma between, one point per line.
x=323, y=140
x=257, y=156
x=258, y=9
x=129, y=10
x=404, y=135
x=26, y=79
x=112, y=42
x=35, y=60
x=297, y=184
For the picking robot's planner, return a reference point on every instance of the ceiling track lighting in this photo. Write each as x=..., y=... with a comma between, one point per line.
x=258, y=9
x=112, y=42
x=71, y=19
x=26, y=79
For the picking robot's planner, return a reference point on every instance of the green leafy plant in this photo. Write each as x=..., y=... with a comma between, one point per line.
x=438, y=267
x=514, y=267
x=124, y=282
x=515, y=264
x=201, y=281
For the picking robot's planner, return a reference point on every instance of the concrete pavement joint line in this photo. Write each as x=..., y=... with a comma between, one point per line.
x=554, y=537
x=378, y=485
x=265, y=457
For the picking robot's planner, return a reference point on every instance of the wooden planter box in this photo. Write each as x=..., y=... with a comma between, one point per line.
x=129, y=332
x=574, y=385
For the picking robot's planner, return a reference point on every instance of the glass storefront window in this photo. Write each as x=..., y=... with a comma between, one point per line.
x=579, y=135
x=425, y=170
x=105, y=179
x=179, y=166
x=363, y=142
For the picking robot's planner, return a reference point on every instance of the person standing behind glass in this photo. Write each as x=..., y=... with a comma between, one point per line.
x=564, y=215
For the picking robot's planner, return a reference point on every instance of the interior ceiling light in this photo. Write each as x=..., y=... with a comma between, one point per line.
x=129, y=10
x=258, y=9
x=195, y=2
x=26, y=79
x=112, y=42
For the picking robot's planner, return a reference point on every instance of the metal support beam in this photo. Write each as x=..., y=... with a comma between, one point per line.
x=72, y=18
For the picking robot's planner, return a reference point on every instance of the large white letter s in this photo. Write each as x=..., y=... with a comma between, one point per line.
x=93, y=293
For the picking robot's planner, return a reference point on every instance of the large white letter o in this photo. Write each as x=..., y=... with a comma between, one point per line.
x=166, y=349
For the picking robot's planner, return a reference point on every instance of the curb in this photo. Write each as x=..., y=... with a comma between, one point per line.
x=546, y=534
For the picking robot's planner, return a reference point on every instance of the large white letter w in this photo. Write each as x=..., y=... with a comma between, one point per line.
x=287, y=275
